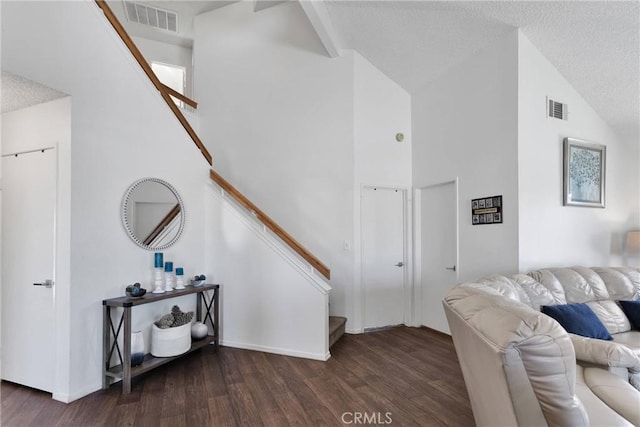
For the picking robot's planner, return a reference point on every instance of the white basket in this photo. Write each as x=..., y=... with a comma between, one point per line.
x=171, y=341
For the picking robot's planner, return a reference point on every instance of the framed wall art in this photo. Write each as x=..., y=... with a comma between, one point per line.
x=487, y=210
x=584, y=173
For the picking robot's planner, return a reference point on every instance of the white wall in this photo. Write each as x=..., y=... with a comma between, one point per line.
x=42, y=126
x=299, y=133
x=121, y=131
x=381, y=110
x=277, y=115
x=550, y=233
x=465, y=125
x=270, y=300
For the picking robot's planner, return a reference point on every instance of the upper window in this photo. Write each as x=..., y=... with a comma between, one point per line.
x=173, y=76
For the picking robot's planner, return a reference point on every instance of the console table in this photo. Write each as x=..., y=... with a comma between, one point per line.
x=207, y=294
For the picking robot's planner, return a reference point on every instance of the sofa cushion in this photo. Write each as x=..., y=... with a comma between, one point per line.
x=578, y=319
x=613, y=354
x=611, y=316
x=615, y=392
x=621, y=282
x=632, y=310
x=599, y=413
x=580, y=284
x=537, y=294
x=547, y=279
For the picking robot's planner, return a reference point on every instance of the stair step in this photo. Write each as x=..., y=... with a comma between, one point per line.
x=336, y=328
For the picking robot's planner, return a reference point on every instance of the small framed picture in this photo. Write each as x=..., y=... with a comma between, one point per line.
x=486, y=210
x=584, y=173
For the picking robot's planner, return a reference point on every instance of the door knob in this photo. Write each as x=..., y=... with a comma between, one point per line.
x=47, y=283
x=451, y=268
x=400, y=264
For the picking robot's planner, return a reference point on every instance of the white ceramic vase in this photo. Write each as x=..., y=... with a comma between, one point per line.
x=199, y=330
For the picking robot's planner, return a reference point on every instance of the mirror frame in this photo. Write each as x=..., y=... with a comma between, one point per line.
x=127, y=226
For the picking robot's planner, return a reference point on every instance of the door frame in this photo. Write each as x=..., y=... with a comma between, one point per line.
x=417, y=242
x=61, y=353
x=359, y=289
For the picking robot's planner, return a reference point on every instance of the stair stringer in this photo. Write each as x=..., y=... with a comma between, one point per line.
x=271, y=299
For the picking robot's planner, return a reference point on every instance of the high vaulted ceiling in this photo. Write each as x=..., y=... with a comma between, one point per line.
x=595, y=45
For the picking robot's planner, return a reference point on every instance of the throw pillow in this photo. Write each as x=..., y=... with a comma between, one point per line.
x=578, y=319
x=632, y=311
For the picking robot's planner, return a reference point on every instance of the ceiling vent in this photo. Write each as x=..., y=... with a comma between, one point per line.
x=557, y=110
x=152, y=16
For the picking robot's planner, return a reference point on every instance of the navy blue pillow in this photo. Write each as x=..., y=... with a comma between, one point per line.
x=632, y=311
x=578, y=319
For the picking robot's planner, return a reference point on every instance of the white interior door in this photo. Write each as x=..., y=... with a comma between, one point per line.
x=439, y=249
x=28, y=224
x=383, y=256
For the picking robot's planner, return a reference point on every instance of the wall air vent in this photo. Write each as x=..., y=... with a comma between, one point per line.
x=151, y=16
x=557, y=110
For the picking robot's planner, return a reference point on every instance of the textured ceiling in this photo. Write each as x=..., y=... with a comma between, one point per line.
x=595, y=45
x=17, y=92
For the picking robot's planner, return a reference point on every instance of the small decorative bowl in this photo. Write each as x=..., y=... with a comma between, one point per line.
x=138, y=294
x=197, y=282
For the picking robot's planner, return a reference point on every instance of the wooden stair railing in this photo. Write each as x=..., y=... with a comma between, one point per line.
x=190, y=102
x=166, y=93
x=270, y=224
x=108, y=13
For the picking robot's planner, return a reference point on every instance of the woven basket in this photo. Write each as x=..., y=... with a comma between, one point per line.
x=171, y=341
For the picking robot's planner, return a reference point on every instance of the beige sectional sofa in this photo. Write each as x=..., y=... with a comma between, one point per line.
x=522, y=368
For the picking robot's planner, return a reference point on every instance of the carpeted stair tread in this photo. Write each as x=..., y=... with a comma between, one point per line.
x=336, y=328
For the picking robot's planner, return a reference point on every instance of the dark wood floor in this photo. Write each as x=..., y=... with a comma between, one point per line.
x=409, y=376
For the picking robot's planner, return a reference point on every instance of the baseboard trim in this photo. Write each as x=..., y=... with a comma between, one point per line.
x=435, y=331
x=70, y=397
x=277, y=350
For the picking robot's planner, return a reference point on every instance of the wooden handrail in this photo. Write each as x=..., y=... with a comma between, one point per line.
x=162, y=224
x=271, y=224
x=190, y=102
x=111, y=17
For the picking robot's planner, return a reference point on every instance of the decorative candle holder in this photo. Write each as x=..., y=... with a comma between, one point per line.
x=179, y=278
x=169, y=277
x=158, y=274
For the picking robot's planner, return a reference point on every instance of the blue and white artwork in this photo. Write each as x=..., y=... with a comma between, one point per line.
x=584, y=173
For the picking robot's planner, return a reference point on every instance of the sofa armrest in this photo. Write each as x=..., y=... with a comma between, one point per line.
x=605, y=353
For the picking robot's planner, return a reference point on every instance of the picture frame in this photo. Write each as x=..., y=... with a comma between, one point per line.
x=486, y=210
x=584, y=173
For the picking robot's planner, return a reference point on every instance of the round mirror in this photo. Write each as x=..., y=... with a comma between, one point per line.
x=153, y=213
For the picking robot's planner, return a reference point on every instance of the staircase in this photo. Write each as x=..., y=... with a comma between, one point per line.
x=315, y=266
x=336, y=329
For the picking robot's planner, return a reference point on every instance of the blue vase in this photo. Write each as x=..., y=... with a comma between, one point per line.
x=137, y=348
